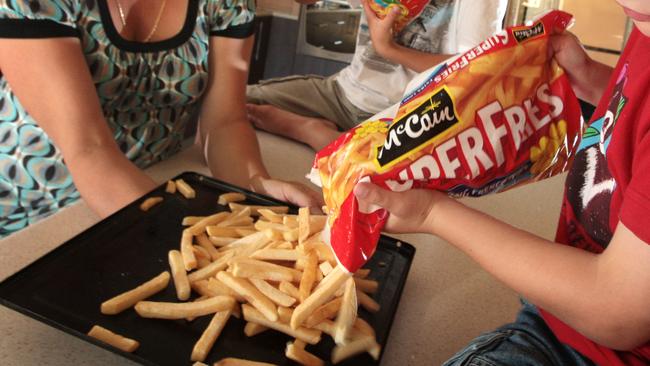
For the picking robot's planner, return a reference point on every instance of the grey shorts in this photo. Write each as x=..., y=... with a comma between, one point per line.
x=310, y=96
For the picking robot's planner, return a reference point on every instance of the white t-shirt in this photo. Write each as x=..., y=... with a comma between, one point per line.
x=373, y=83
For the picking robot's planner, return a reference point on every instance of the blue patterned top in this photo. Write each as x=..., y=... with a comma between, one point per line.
x=149, y=92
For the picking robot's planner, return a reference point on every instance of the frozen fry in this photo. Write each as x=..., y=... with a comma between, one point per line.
x=189, y=259
x=212, y=269
x=294, y=352
x=209, y=336
x=367, y=302
x=355, y=347
x=206, y=244
x=191, y=220
x=284, y=314
x=270, y=215
x=367, y=286
x=150, y=202
x=308, y=276
x=325, y=268
x=255, y=209
x=253, y=329
x=124, y=301
x=170, y=187
x=230, y=361
x=276, y=255
x=251, y=294
x=251, y=314
x=167, y=310
x=347, y=313
x=252, y=268
x=185, y=189
x=226, y=198
x=200, y=252
x=181, y=283
x=277, y=296
x=221, y=241
x=326, y=311
x=329, y=286
x=289, y=289
x=303, y=224
x=200, y=226
x=115, y=340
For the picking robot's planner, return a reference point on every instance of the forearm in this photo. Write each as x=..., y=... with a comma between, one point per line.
x=232, y=153
x=412, y=59
x=573, y=284
x=590, y=81
x=107, y=180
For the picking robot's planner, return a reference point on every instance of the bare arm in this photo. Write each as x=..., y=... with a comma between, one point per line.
x=603, y=296
x=228, y=140
x=52, y=81
x=381, y=34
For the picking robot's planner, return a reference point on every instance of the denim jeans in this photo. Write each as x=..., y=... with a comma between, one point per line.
x=526, y=342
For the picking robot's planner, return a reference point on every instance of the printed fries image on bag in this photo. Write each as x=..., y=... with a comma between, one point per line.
x=501, y=114
x=408, y=9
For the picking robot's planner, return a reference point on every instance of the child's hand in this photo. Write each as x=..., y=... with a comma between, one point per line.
x=296, y=193
x=588, y=77
x=381, y=30
x=410, y=212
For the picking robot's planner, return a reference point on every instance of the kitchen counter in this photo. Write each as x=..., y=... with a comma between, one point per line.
x=447, y=299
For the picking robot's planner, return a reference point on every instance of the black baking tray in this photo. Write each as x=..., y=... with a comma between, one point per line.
x=65, y=287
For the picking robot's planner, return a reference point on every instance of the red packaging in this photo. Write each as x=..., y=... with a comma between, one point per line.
x=409, y=9
x=499, y=115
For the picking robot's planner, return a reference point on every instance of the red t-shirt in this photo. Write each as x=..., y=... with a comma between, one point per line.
x=610, y=182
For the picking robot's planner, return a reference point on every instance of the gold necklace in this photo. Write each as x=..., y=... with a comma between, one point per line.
x=155, y=24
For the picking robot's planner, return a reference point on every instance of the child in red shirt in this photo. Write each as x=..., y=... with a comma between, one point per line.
x=591, y=296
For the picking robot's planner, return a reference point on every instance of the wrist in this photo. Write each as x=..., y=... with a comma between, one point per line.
x=387, y=49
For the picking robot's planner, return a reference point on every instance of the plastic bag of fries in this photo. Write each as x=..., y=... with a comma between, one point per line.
x=501, y=114
x=408, y=10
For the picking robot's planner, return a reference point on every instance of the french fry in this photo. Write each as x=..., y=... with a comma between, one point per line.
x=240, y=219
x=367, y=286
x=167, y=310
x=222, y=231
x=329, y=286
x=181, y=283
x=367, y=302
x=325, y=268
x=221, y=241
x=284, y=245
x=284, y=314
x=277, y=296
x=276, y=255
x=214, y=219
x=251, y=314
x=270, y=215
x=127, y=299
x=263, y=225
x=150, y=202
x=255, y=209
x=308, y=276
x=355, y=347
x=170, y=187
x=363, y=327
x=189, y=259
x=230, y=361
x=201, y=253
x=252, y=268
x=347, y=313
x=323, y=312
x=212, y=269
x=303, y=224
x=209, y=336
x=291, y=235
x=202, y=262
x=185, y=189
x=226, y=198
x=200, y=298
x=113, y=339
x=294, y=352
x=251, y=294
x=206, y=244
x=289, y=289
x=253, y=329
x=191, y=220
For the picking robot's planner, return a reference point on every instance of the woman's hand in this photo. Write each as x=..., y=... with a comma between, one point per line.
x=410, y=212
x=588, y=77
x=381, y=30
x=292, y=192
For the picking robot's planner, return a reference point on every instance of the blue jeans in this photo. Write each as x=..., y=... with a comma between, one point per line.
x=526, y=342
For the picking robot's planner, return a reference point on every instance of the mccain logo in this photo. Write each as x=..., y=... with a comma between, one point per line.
x=524, y=33
x=418, y=127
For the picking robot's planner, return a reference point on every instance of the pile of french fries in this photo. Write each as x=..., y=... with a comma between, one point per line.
x=267, y=266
